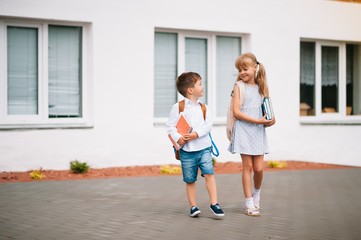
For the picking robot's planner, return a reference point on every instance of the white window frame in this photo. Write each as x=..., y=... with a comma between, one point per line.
x=42, y=120
x=181, y=63
x=339, y=117
x=211, y=65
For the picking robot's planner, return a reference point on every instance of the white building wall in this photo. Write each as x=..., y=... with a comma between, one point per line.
x=122, y=38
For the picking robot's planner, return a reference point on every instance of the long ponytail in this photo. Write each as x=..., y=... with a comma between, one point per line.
x=261, y=80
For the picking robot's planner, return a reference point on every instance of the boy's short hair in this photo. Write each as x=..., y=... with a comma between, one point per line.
x=185, y=81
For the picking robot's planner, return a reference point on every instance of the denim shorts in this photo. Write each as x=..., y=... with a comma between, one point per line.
x=191, y=161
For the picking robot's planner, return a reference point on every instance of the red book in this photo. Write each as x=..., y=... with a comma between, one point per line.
x=183, y=127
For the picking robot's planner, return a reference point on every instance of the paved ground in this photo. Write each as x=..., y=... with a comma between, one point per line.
x=313, y=204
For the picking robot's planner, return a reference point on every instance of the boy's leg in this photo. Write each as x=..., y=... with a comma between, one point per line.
x=211, y=187
x=212, y=191
x=191, y=194
x=189, y=171
x=206, y=167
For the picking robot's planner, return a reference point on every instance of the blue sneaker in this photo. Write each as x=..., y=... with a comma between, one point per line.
x=195, y=211
x=217, y=210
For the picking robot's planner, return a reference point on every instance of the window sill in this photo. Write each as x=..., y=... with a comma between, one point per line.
x=350, y=120
x=44, y=126
x=162, y=122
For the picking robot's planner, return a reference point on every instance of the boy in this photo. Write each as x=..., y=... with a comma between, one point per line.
x=196, y=146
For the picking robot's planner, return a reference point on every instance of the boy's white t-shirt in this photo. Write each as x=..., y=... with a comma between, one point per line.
x=194, y=114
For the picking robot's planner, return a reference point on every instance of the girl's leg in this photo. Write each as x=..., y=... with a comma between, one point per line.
x=211, y=187
x=257, y=178
x=258, y=171
x=247, y=167
x=191, y=193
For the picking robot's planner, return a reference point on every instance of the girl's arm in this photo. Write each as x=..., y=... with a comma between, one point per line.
x=242, y=116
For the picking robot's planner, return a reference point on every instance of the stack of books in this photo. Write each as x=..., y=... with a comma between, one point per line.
x=267, y=108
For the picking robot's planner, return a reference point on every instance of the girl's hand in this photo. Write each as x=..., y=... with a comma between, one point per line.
x=263, y=120
x=270, y=122
x=266, y=122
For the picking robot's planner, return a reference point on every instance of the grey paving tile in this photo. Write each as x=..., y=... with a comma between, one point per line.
x=314, y=204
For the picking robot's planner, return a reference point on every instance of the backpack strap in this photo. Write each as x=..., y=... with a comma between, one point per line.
x=241, y=87
x=181, y=108
x=204, y=110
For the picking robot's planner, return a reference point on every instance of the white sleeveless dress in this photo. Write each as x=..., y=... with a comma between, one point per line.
x=249, y=138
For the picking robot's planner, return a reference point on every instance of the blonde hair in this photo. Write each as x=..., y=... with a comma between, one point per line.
x=249, y=59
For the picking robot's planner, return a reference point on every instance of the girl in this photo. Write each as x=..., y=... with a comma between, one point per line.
x=249, y=135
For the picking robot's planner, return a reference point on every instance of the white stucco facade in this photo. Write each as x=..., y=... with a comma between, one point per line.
x=119, y=128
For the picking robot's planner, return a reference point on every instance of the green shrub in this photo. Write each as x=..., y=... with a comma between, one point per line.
x=78, y=167
x=214, y=161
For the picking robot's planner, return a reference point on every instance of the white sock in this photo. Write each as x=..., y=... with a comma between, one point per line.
x=256, y=197
x=249, y=203
x=256, y=194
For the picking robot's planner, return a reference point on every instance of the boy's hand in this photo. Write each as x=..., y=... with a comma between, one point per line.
x=182, y=141
x=187, y=137
x=190, y=136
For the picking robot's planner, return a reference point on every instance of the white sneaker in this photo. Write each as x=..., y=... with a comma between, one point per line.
x=252, y=212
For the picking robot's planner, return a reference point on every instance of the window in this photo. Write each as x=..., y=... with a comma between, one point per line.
x=165, y=93
x=209, y=54
x=43, y=84
x=330, y=81
x=22, y=73
x=64, y=72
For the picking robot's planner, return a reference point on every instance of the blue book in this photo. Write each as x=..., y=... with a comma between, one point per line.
x=267, y=108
